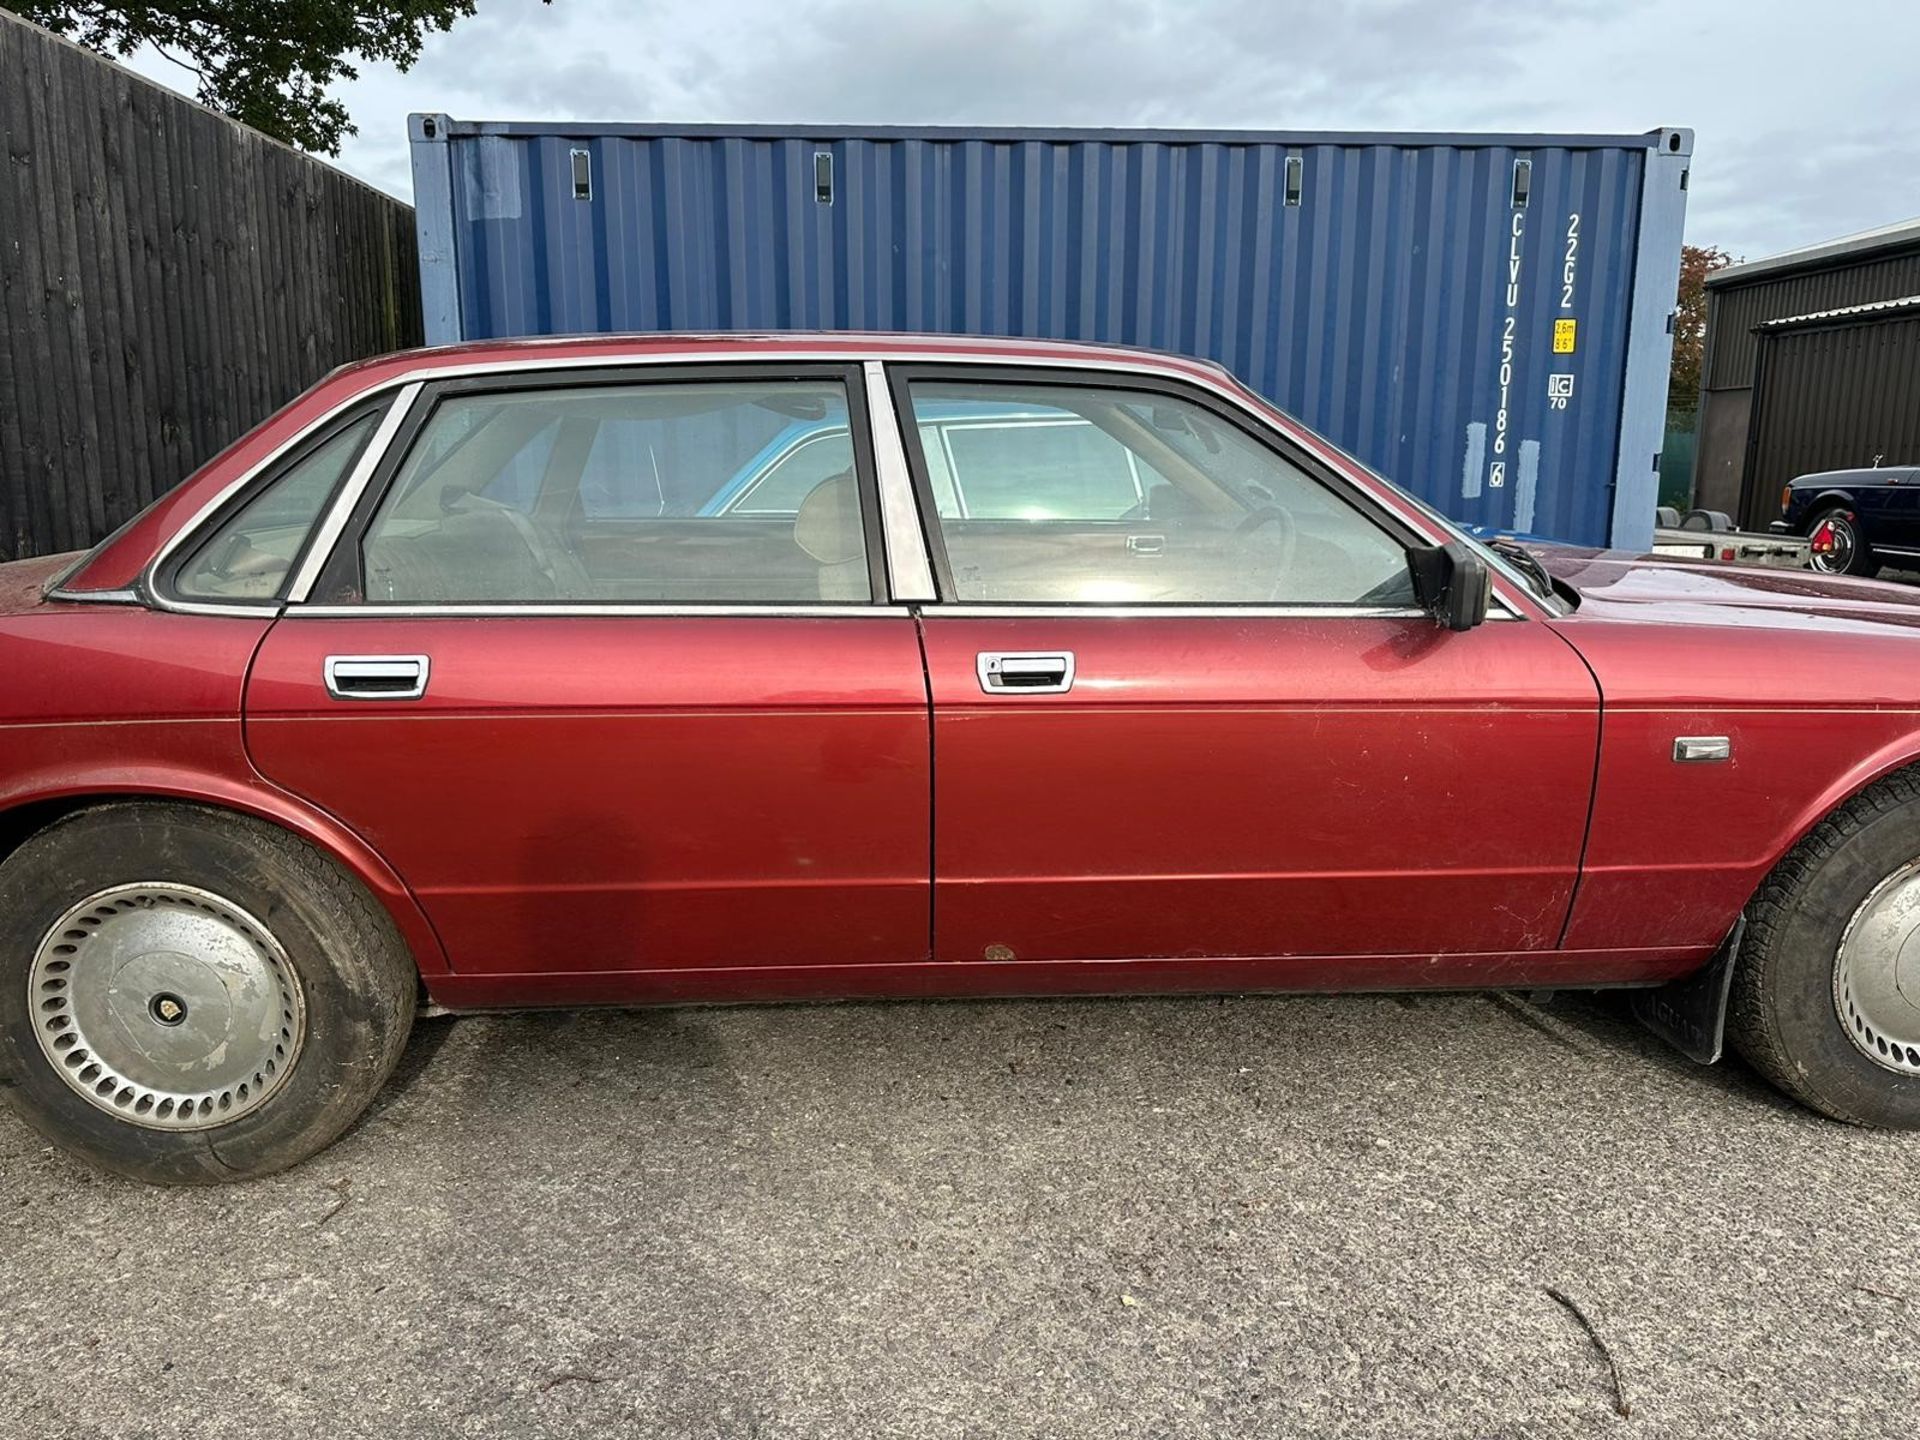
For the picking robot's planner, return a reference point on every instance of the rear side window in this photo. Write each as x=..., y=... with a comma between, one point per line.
x=624, y=494
x=251, y=554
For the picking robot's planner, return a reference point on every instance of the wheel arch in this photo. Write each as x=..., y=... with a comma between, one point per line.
x=30, y=804
x=1890, y=759
x=1832, y=499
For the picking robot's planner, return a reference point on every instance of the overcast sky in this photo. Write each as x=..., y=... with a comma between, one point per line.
x=1808, y=114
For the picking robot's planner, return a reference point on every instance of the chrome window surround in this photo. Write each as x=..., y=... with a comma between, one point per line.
x=326, y=530
x=909, y=569
x=825, y=610
x=327, y=534
x=843, y=611
x=1120, y=612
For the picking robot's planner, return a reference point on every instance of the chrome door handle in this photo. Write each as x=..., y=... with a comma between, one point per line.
x=1029, y=672
x=376, y=677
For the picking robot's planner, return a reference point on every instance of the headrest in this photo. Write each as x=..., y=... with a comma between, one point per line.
x=827, y=525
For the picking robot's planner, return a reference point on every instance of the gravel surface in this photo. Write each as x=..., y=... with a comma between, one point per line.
x=1082, y=1218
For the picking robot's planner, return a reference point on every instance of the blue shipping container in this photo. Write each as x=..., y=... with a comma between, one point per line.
x=1483, y=318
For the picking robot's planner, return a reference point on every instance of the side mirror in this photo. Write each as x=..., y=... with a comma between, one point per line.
x=1452, y=583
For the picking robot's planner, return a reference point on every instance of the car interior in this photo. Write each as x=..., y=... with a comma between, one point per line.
x=1045, y=494
x=593, y=495
x=1114, y=496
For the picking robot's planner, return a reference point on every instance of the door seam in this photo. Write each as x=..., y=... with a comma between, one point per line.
x=933, y=783
x=1593, y=792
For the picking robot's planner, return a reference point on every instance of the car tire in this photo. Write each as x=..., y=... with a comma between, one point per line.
x=1816, y=1005
x=189, y=996
x=1859, y=559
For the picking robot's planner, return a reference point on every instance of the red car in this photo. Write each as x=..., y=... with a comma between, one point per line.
x=1016, y=668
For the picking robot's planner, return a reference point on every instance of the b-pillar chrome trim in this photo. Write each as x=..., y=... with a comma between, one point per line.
x=344, y=504
x=909, y=573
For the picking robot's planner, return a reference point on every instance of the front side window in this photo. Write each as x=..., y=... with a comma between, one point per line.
x=618, y=494
x=250, y=554
x=1084, y=495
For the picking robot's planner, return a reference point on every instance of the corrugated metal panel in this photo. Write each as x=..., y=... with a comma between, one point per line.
x=1403, y=306
x=1733, y=310
x=168, y=278
x=1882, y=239
x=1879, y=309
x=1832, y=397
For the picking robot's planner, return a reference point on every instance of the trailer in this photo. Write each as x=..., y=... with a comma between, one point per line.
x=1484, y=319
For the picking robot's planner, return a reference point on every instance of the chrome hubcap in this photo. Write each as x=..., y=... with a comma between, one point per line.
x=1836, y=560
x=167, y=1006
x=1876, y=976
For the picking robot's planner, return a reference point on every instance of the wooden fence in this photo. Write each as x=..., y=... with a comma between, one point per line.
x=168, y=278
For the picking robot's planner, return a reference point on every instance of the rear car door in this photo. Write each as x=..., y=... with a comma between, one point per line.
x=598, y=730
x=1209, y=720
x=1894, y=502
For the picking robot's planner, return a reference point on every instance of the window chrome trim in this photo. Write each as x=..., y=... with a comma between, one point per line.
x=191, y=531
x=208, y=607
x=333, y=522
x=128, y=596
x=835, y=610
x=886, y=437
x=909, y=568
x=1193, y=612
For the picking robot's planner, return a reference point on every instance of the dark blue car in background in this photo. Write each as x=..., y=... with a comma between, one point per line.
x=1858, y=520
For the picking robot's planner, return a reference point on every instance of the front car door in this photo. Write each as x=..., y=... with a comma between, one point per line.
x=607, y=736
x=1210, y=721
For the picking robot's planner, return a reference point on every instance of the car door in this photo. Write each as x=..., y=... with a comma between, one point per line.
x=1889, y=503
x=1213, y=722
x=595, y=729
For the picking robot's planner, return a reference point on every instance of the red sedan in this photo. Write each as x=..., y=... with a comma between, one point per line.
x=692, y=669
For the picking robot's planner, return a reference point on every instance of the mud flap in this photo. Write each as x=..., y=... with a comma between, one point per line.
x=1691, y=1014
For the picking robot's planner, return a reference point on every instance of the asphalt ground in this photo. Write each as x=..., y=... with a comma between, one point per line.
x=1198, y=1217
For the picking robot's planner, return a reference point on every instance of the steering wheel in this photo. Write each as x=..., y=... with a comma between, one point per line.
x=1283, y=546
x=1265, y=515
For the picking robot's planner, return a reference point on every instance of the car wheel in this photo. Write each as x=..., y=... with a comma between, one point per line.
x=1826, y=989
x=1848, y=552
x=188, y=997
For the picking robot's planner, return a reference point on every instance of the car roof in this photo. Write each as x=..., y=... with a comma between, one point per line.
x=747, y=345
x=1872, y=473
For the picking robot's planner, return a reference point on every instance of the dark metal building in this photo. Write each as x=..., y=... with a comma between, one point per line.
x=167, y=279
x=1812, y=363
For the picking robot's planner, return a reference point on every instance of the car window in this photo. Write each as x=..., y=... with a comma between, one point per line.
x=1050, y=465
x=619, y=494
x=946, y=497
x=249, y=556
x=790, y=477
x=1049, y=513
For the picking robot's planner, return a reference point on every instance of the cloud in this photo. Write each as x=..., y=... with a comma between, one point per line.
x=1072, y=62
x=1803, y=126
